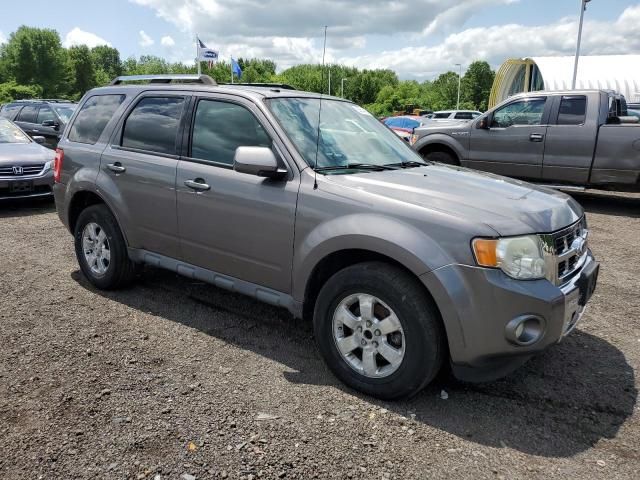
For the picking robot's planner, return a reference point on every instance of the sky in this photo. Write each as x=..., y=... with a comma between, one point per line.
x=419, y=39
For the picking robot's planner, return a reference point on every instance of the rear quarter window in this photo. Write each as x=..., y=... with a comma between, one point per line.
x=93, y=117
x=10, y=111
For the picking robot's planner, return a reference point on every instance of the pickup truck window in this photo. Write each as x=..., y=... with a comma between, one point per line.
x=573, y=110
x=221, y=127
x=153, y=124
x=521, y=112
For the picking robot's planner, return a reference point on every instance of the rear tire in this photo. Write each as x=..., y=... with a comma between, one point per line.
x=418, y=345
x=101, y=249
x=441, y=157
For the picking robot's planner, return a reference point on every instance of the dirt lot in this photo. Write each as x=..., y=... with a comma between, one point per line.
x=174, y=378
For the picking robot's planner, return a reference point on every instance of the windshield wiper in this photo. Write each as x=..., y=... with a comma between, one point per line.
x=410, y=163
x=355, y=166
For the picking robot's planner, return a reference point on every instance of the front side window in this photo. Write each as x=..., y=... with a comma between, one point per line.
x=573, y=110
x=219, y=128
x=93, y=117
x=28, y=114
x=9, y=133
x=153, y=125
x=340, y=144
x=45, y=114
x=522, y=112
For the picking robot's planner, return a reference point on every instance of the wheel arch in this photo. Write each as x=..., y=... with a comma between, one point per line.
x=83, y=199
x=439, y=143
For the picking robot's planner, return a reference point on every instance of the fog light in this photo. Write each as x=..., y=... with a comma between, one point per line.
x=525, y=330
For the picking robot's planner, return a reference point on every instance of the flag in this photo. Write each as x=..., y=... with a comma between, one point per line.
x=235, y=68
x=206, y=54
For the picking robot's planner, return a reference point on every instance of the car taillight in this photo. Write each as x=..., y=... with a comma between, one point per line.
x=57, y=165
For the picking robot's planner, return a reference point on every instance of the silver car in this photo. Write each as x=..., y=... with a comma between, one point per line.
x=311, y=204
x=26, y=167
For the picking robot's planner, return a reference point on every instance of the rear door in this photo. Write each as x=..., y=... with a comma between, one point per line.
x=139, y=169
x=571, y=139
x=237, y=224
x=513, y=145
x=27, y=119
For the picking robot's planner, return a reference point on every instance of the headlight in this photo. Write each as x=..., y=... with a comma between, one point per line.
x=48, y=166
x=518, y=257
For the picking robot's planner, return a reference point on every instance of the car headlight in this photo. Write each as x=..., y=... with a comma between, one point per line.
x=519, y=257
x=48, y=166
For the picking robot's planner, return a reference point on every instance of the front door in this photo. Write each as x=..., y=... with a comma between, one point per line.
x=513, y=145
x=236, y=224
x=139, y=172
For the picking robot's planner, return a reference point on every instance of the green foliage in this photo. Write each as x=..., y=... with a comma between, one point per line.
x=34, y=63
x=12, y=91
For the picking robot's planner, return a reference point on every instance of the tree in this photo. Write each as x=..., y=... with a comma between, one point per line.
x=477, y=83
x=107, y=63
x=82, y=66
x=12, y=91
x=34, y=56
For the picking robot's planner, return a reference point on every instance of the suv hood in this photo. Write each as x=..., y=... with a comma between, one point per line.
x=508, y=206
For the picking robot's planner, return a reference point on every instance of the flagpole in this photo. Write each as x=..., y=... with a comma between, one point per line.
x=198, y=56
x=231, y=66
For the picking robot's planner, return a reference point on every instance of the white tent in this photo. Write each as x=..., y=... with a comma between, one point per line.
x=611, y=72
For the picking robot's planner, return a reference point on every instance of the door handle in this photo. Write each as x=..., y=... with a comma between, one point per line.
x=536, y=137
x=197, y=184
x=116, y=167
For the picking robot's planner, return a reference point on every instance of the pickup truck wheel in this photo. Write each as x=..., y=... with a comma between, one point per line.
x=378, y=331
x=442, y=157
x=101, y=250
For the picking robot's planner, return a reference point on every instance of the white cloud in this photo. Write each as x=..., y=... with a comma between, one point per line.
x=496, y=44
x=80, y=37
x=167, y=41
x=145, y=40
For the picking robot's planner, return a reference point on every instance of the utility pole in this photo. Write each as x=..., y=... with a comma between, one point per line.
x=459, y=65
x=583, y=7
x=342, y=87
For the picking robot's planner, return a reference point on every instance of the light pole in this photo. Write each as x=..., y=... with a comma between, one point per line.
x=583, y=7
x=342, y=86
x=459, y=65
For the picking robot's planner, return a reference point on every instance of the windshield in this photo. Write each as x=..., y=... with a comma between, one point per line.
x=64, y=111
x=349, y=135
x=9, y=133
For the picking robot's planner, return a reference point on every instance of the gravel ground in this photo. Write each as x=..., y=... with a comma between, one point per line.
x=175, y=379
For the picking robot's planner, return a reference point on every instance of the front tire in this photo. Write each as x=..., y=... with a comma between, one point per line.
x=441, y=157
x=101, y=250
x=379, y=331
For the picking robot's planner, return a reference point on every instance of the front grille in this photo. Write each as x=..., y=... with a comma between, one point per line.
x=21, y=170
x=569, y=250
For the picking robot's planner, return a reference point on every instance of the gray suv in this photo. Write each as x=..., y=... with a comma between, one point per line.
x=311, y=204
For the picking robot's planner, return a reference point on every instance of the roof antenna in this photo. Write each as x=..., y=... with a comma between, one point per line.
x=315, y=165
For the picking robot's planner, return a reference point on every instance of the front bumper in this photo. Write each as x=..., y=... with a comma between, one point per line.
x=42, y=186
x=477, y=304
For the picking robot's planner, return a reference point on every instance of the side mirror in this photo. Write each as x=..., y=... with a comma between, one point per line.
x=483, y=124
x=39, y=139
x=258, y=161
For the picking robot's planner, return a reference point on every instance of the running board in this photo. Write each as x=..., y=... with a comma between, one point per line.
x=566, y=188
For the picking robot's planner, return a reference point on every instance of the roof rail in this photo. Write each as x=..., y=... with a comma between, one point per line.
x=51, y=100
x=284, y=86
x=165, y=78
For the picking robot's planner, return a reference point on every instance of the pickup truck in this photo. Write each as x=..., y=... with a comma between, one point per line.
x=572, y=138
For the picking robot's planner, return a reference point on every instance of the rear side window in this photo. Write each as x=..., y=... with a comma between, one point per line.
x=464, y=116
x=220, y=127
x=93, y=117
x=153, y=125
x=442, y=115
x=573, y=110
x=28, y=114
x=45, y=114
x=9, y=111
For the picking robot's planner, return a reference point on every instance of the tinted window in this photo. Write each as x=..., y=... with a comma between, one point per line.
x=64, y=112
x=93, y=117
x=572, y=110
x=523, y=112
x=28, y=114
x=442, y=115
x=153, y=124
x=219, y=128
x=45, y=114
x=464, y=116
x=9, y=111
